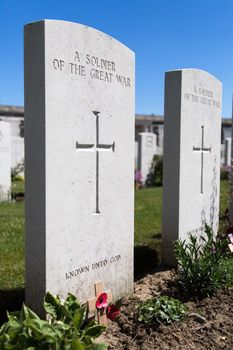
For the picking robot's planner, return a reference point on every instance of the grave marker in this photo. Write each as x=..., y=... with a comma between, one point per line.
x=146, y=151
x=91, y=303
x=5, y=161
x=191, y=174
x=231, y=176
x=79, y=122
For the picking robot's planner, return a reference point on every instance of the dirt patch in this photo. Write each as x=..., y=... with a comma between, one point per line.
x=208, y=324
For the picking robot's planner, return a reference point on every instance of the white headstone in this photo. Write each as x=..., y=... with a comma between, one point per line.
x=79, y=160
x=146, y=152
x=5, y=162
x=231, y=176
x=191, y=174
x=17, y=146
x=227, y=151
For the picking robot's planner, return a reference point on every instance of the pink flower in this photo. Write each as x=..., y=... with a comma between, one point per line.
x=112, y=312
x=230, y=236
x=213, y=250
x=101, y=302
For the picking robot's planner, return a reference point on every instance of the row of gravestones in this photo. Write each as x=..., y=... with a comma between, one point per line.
x=146, y=148
x=79, y=158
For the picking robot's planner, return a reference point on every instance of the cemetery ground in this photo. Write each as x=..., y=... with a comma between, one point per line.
x=209, y=321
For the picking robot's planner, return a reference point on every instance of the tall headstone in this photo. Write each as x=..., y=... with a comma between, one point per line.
x=146, y=151
x=191, y=174
x=231, y=175
x=5, y=161
x=79, y=125
x=227, y=142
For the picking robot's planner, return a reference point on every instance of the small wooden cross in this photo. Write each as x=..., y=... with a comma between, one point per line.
x=91, y=303
x=230, y=245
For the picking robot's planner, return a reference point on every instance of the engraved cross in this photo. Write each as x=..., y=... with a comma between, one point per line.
x=202, y=150
x=97, y=147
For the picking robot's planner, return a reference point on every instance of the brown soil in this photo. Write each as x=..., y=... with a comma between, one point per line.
x=208, y=324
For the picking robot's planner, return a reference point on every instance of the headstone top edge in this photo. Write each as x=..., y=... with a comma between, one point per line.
x=3, y=122
x=145, y=133
x=47, y=22
x=194, y=70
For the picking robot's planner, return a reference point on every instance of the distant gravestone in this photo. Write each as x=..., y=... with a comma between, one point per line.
x=5, y=162
x=191, y=174
x=227, y=151
x=79, y=160
x=17, y=146
x=146, y=151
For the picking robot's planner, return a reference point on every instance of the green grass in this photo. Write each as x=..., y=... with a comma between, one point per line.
x=17, y=186
x=224, y=196
x=148, y=209
x=11, y=245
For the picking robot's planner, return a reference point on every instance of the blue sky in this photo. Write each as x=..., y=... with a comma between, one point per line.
x=165, y=35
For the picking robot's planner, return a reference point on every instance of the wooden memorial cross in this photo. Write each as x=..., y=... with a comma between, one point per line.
x=91, y=303
x=230, y=245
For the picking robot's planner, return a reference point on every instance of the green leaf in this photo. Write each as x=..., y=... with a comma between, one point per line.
x=52, y=305
x=26, y=313
x=94, y=331
x=71, y=304
x=76, y=345
x=101, y=346
x=79, y=317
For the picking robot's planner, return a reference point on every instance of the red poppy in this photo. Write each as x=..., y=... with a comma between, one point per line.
x=112, y=312
x=101, y=302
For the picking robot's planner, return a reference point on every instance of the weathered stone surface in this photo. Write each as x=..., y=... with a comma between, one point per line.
x=79, y=131
x=5, y=162
x=191, y=156
x=146, y=151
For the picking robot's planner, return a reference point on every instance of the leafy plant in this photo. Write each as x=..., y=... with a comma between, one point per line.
x=200, y=261
x=225, y=172
x=65, y=329
x=155, y=177
x=15, y=171
x=161, y=310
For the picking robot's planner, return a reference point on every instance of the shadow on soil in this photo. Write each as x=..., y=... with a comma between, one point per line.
x=146, y=260
x=10, y=300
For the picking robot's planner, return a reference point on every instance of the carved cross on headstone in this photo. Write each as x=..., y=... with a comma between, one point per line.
x=202, y=150
x=91, y=303
x=97, y=147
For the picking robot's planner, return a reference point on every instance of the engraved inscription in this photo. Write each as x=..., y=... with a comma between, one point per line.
x=94, y=266
x=202, y=96
x=97, y=147
x=92, y=67
x=149, y=141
